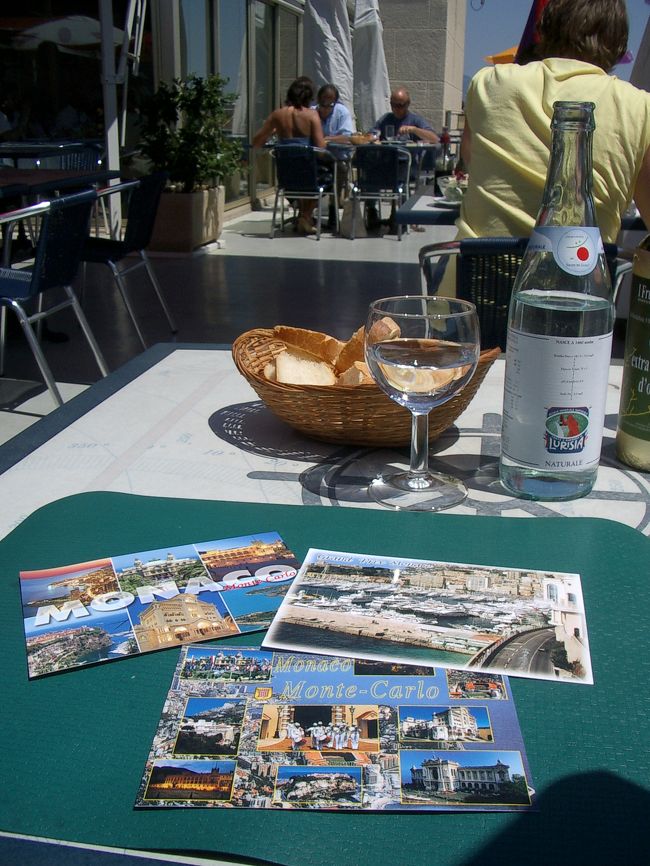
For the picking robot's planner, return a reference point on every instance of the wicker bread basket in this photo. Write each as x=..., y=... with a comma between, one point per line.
x=354, y=415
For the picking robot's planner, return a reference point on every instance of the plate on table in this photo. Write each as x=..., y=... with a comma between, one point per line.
x=441, y=201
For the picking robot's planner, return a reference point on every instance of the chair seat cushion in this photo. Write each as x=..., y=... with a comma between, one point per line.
x=15, y=283
x=103, y=250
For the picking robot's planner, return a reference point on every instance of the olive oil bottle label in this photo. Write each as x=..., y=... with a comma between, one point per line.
x=634, y=415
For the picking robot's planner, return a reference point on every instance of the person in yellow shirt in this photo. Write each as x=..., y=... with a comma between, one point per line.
x=507, y=138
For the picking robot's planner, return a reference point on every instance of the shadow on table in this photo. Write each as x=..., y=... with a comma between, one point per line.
x=589, y=819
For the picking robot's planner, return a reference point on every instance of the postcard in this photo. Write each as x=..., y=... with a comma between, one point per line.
x=514, y=621
x=119, y=606
x=248, y=728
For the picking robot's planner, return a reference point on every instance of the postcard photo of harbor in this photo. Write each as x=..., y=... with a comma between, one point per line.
x=454, y=615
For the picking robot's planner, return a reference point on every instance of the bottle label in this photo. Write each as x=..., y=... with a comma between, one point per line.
x=574, y=248
x=554, y=400
x=634, y=415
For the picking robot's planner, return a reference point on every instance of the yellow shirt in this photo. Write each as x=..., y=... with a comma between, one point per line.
x=509, y=110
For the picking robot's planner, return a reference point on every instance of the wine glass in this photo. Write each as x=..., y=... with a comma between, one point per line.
x=421, y=350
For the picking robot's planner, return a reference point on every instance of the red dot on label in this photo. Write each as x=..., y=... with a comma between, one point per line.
x=582, y=253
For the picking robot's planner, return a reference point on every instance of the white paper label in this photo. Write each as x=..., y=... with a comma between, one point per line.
x=574, y=248
x=554, y=400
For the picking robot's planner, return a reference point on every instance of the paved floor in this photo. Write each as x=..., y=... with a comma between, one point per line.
x=216, y=293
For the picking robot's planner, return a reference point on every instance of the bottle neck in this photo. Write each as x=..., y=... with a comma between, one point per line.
x=567, y=198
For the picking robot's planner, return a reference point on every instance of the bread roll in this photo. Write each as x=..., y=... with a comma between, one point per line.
x=321, y=345
x=352, y=351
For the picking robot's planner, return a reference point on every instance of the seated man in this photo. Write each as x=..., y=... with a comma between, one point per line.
x=338, y=126
x=405, y=124
x=404, y=121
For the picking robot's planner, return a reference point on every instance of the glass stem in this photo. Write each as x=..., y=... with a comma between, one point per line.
x=419, y=468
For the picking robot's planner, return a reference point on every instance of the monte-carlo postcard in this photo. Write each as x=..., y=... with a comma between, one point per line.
x=119, y=606
x=244, y=727
x=513, y=621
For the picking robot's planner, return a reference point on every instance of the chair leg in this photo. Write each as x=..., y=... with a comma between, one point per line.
x=85, y=327
x=3, y=337
x=319, y=214
x=275, y=208
x=121, y=285
x=34, y=345
x=353, y=224
x=158, y=290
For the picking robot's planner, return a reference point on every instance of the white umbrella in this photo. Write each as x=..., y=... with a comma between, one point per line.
x=327, y=46
x=69, y=34
x=371, y=82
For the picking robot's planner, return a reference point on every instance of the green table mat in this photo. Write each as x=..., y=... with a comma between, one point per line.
x=75, y=743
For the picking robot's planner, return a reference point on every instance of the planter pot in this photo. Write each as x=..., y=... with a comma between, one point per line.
x=187, y=220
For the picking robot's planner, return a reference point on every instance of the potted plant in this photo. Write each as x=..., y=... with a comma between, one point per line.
x=184, y=132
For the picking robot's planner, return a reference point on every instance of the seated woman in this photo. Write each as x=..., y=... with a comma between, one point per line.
x=295, y=123
x=507, y=138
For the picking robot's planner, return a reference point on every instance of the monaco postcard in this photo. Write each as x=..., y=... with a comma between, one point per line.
x=118, y=606
x=246, y=728
x=507, y=620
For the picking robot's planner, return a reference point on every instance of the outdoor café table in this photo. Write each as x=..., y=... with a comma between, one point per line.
x=37, y=150
x=180, y=423
x=33, y=182
x=423, y=209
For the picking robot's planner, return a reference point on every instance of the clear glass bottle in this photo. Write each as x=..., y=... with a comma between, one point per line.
x=559, y=330
x=633, y=433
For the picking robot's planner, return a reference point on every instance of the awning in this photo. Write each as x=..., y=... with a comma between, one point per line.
x=507, y=56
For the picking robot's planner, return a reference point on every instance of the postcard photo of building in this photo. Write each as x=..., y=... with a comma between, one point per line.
x=210, y=727
x=443, y=726
x=320, y=787
x=456, y=778
x=211, y=665
x=177, y=781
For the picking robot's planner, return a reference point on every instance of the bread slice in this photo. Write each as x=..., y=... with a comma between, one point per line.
x=321, y=345
x=357, y=374
x=295, y=367
x=351, y=351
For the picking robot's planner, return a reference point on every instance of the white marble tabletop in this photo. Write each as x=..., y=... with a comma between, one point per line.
x=182, y=422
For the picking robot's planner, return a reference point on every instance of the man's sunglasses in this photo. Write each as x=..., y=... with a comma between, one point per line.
x=399, y=104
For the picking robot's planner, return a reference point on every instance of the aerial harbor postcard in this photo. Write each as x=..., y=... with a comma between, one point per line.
x=119, y=606
x=506, y=620
x=244, y=727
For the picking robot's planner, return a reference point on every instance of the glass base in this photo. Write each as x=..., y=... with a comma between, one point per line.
x=426, y=492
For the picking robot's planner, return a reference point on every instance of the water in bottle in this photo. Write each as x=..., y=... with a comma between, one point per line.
x=559, y=330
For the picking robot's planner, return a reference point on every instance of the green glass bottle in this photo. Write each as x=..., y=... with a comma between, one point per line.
x=633, y=433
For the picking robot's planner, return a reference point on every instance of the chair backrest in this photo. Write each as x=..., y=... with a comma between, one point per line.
x=142, y=209
x=296, y=168
x=85, y=157
x=380, y=168
x=485, y=273
x=63, y=232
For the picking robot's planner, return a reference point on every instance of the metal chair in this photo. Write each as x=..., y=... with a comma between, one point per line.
x=140, y=217
x=485, y=273
x=307, y=172
x=63, y=229
x=382, y=175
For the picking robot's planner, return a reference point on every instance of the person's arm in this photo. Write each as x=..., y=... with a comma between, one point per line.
x=317, y=136
x=421, y=133
x=466, y=146
x=642, y=189
x=268, y=128
x=344, y=126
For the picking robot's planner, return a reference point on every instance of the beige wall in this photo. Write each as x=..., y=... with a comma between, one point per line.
x=424, y=41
